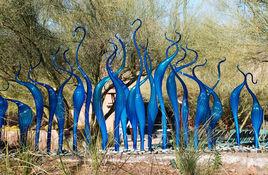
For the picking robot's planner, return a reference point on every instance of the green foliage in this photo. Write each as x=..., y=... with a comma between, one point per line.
x=189, y=161
x=33, y=29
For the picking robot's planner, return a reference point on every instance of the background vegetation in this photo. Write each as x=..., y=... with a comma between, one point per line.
x=238, y=30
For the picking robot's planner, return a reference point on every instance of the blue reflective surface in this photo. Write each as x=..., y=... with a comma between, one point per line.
x=202, y=107
x=234, y=104
x=97, y=98
x=139, y=103
x=79, y=96
x=256, y=115
x=89, y=86
x=3, y=109
x=25, y=116
x=152, y=107
x=52, y=99
x=185, y=105
x=39, y=104
x=119, y=100
x=60, y=108
x=173, y=97
x=158, y=79
x=216, y=112
x=129, y=103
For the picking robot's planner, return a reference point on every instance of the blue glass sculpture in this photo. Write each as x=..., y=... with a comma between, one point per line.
x=97, y=97
x=152, y=107
x=129, y=103
x=173, y=97
x=39, y=104
x=124, y=116
x=60, y=108
x=158, y=79
x=216, y=111
x=89, y=86
x=119, y=100
x=234, y=104
x=139, y=103
x=79, y=96
x=120, y=87
x=131, y=111
x=97, y=107
x=256, y=114
x=25, y=116
x=185, y=105
x=52, y=98
x=3, y=109
x=202, y=108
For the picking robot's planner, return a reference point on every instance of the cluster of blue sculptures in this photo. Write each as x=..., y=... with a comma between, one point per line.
x=129, y=103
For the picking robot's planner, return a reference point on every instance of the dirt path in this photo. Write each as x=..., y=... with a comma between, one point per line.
x=232, y=164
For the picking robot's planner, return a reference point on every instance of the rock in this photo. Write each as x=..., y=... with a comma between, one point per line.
x=11, y=137
x=141, y=152
x=233, y=171
x=252, y=170
x=255, y=150
x=43, y=140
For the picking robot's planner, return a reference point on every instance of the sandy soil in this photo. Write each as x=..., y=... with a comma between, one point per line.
x=158, y=164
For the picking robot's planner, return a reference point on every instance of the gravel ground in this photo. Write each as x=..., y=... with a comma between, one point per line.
x=123, y=163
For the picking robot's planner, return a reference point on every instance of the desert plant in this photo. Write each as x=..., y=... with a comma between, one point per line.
x=190, y=161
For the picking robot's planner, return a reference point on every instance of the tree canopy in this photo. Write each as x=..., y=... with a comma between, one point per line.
x=33, y=29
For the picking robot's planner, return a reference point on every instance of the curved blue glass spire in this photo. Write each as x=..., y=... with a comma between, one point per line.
x=185, y=105
x=3, y=109
x=184, y=109
x=256, y=114
x=52, y=97
x=219, y=73
x=124, y=116
x=79, y=97
x=173, y=97
x=97, y=107
x=60, y=108
x=139, y=103
x=89, y=85
x=97, y=97
x=120, y=87
x=78, y=101
x=131, y=111
x=217, y=109
x=202, y=108
x=119, y=99
x=39, y=104
x=234, y=104
x=158, y=79
x=120, y=102
x=25, y=116
x=216, y=113
x=152, y=107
